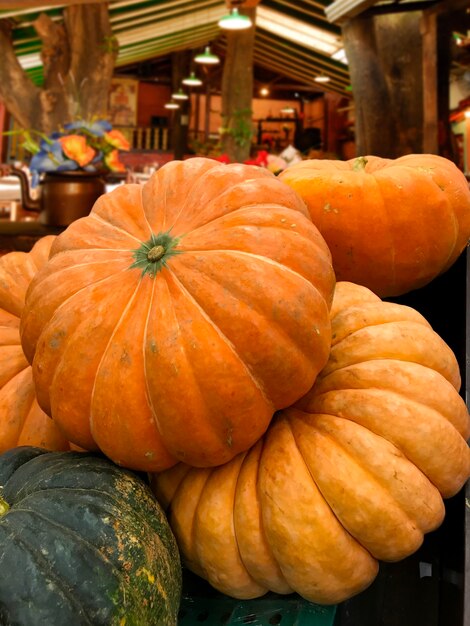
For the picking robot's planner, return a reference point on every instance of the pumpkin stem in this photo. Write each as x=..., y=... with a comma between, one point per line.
x=359, y=164
x=4, y=507
x=153, y=255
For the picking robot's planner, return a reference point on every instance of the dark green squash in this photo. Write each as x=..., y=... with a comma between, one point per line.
x=82, y=542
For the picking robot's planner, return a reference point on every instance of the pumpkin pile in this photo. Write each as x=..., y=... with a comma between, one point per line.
x=297, y=430
x=392, y=225
x=22, y=421
x=353, y=473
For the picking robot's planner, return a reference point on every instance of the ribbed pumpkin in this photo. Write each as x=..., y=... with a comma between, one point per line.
x=82, y=542
x=392, y=225
x=355, y=473
x=174, y=320
x=22, y=422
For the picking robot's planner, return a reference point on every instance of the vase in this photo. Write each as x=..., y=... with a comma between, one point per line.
x=63, y=196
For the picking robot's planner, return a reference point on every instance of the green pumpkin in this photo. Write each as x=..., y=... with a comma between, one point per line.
x=82, y=542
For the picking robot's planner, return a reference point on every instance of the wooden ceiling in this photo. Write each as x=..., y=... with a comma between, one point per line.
x=294, y=41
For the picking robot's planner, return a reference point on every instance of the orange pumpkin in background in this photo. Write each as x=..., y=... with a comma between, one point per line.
x=22, y=422
x=392, y=225
x=353, y=474
x=174, y=320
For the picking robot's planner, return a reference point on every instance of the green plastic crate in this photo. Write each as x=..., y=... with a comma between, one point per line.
x=202, y=605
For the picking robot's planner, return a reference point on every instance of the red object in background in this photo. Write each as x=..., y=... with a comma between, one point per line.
x=261, y=159
x=223, y=158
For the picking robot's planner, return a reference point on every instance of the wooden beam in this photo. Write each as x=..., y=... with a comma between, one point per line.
x=419, y=5
x=342, y=10
x=243, y=4
x=430, y=86
x=24, y=4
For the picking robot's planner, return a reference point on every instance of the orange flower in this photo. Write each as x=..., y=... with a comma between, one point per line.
x=117, y=139
x=113, y=162
x=76, y=148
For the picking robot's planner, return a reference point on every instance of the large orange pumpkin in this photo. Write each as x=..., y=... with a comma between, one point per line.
x=22, y=422
x=355, y=473
x=391, y=225
x=174, y=320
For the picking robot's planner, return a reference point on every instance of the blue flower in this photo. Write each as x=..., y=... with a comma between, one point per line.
x=78, y=145
x=42, y=162
x=51, y=147
x=49, y=159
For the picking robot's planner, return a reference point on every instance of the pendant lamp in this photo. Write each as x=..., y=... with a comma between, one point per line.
x=207, y=57
x=235, y=21
x=192, y=80
x=179, y=95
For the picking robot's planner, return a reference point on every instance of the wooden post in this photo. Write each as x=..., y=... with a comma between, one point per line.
x=430, y=86
x=207, y=112
x=180, y=62
x=237, y=92
x=400, y=65
x=197, y=113
x=385, y=62
x=3, y=139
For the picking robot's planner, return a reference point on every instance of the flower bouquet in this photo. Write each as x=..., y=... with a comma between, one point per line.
x=90, y=146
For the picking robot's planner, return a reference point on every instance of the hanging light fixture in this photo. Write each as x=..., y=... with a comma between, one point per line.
x=207, y=57
x=322, y=79
x=179, y=95
x=192, y=80
x=235, y=21
x=171, y=105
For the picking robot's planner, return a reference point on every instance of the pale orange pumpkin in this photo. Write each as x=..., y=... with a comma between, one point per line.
x=22, y=422
x=174, y=320
x=353, y=474
x=392, y=225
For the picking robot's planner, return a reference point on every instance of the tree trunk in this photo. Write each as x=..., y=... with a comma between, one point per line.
x=385, y=62
x=237, y=92
x=78, y=58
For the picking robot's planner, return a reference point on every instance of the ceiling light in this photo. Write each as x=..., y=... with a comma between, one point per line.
x=322, y=79
x=264, y=91
x=192, y=80
x=207, y=57
x=340, y=55
x=235, y=21
x=179, y=95
x=171, y=105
